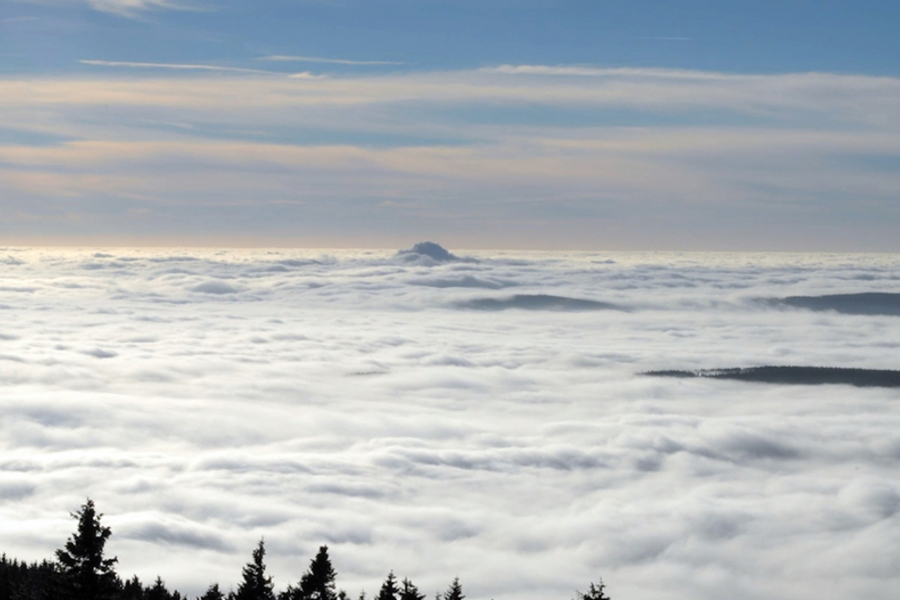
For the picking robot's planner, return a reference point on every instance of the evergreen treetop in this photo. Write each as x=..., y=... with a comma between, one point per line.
x=213, y=593
x=454, y=592
x=255, y=584
x=318, y=582
x=158, y=591
x=410, y=592
x=389, y=589
x=595, y=592
x=86, y=574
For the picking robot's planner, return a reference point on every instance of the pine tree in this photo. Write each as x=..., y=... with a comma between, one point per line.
x=256, y=586
x=455, y=591
x=158, y=591
x=318, y=582
x=132, y=590
x=213, y=593
x=410, y=592
x=23, y=581
x=86, y=575
x=389, y=589
x=595, y=592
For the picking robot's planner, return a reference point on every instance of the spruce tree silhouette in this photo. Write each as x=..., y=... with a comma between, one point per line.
x=86, y=575
x=455, y=591
x=255, y=585
x=317, y=583
x=132, y=589
x=595, y=592
x=158, y=591
x=213, y=593
x=410, y=592
x=389, y=589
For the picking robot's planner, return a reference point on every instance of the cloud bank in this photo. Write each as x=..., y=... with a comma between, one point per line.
x=206, y=398
x=522, y=155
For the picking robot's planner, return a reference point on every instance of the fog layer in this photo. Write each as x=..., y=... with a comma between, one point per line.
x=205, y=399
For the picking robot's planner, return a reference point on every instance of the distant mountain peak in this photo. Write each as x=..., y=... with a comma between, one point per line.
x=435, y=252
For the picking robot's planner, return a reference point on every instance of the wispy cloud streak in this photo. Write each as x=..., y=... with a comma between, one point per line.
x=130, y=8
x=334, y=61
x=176, y=66
x=17, y=19
x=438, y=147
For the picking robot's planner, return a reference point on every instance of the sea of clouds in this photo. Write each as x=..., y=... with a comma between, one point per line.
x=462, y=417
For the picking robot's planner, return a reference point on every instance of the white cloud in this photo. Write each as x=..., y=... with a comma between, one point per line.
x=714, y=158
x=127, y=8
x=318, y=59
x=8, y=20
x=205, y=398
x=829, y=95
x=182, y=67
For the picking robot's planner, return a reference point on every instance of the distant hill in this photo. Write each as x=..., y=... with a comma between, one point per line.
x=796, y=375
x=869, y=303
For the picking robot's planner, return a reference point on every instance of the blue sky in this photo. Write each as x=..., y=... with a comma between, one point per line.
x=535, y=123
x=758, y=37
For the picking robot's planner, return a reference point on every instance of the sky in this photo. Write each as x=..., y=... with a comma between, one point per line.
x=308, y=385
x=207, y=398
x=533, y=124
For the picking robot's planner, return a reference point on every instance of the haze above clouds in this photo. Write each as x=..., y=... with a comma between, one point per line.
x=572, y=125
x=207, y=398
x=480, y=413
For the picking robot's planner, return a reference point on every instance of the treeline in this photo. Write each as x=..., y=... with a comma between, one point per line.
x=82, y=572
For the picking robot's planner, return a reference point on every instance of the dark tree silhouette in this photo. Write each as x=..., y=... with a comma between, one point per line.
x=389, y=589
x=213, y=593
x=256, y=585
x=318, y=582
x=410, y=592
x=158, y=591
x=595, y=592
x=86, y=575
x=132, y=589
x=23, y=581
x=454, y=592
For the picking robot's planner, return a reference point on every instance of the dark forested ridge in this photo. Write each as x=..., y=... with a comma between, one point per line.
x=867, y=303
x=82, y=571
x=797, y=375
x=537, y=302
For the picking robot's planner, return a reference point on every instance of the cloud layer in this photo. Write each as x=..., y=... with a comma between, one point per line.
x=207, y=398
x=519, y=155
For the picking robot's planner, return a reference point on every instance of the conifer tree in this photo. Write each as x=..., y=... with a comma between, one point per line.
x=213, y=593
x=454, y=592
x=86, y=574
x=410, y=592
x=595, y=592
x=158, y=591
x=132, y=590
x=318, y=582
x=389, y=589
x=256, y=585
